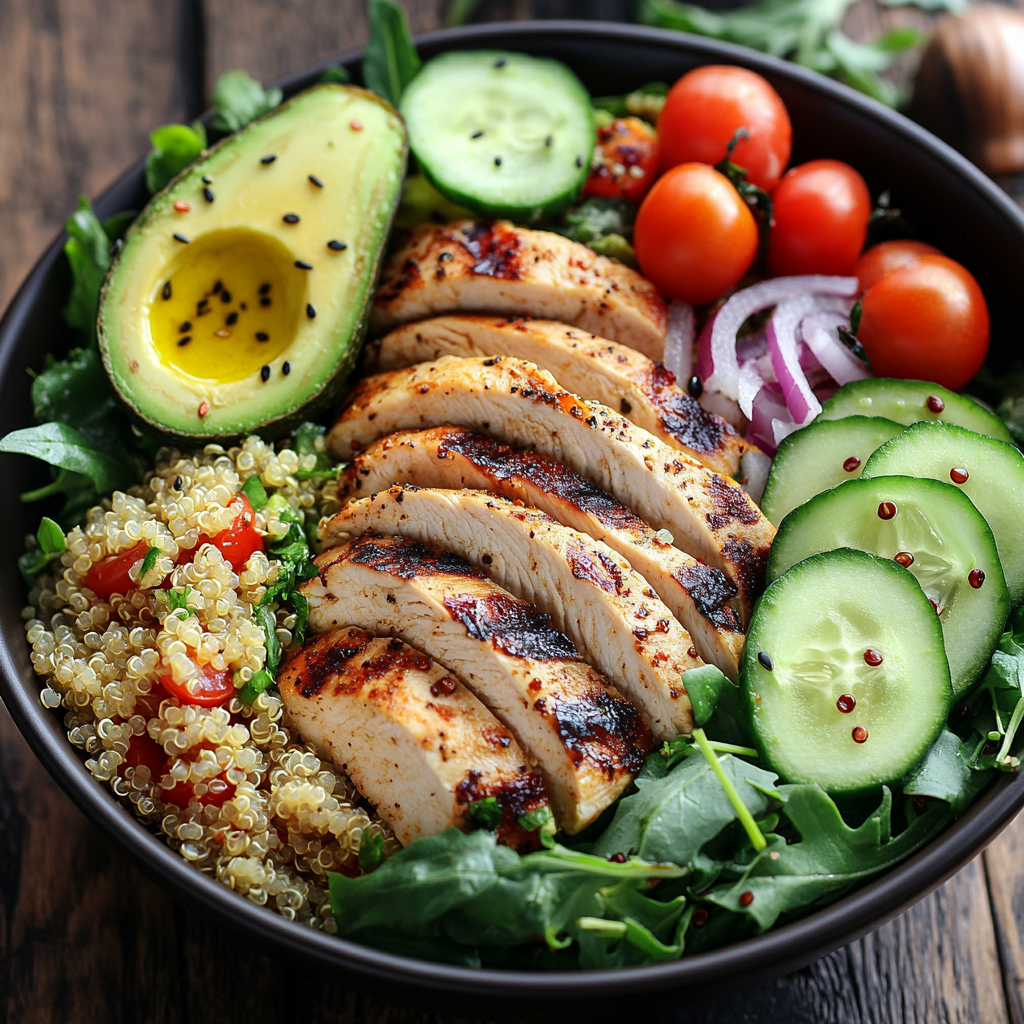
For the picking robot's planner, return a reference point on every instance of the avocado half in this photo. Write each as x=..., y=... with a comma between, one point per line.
x=239, y=300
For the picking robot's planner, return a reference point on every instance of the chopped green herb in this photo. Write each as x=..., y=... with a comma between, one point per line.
x=485, y=813
x=371, y=850
x=267, y=621
x=50, y=540
x=533, y=820
x=148, y=562
x=301, y=608
x=255, y=493
x=261, y=681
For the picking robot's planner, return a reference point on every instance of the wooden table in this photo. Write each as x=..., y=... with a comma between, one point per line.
x=83, y=936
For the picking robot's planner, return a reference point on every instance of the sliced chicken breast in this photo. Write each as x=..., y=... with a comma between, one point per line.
x=697, y=594
x=593, y=596
x=416, y=743
x=710, y=517
x=495, y=267
x=586, y=741
x=583, y=363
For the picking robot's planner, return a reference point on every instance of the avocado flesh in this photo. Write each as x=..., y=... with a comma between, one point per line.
x=190, y=326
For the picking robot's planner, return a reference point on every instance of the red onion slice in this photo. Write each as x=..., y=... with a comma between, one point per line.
x=782, y=344
x=820, y=332
x=719, y=366
x=679, y=334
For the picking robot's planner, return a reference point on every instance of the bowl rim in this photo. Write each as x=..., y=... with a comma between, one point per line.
x=772, y=953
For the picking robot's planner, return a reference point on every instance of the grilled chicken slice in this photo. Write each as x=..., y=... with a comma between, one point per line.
x=586, y=740
x=697, y=594
x=495, y=267
x=710, y=517
x=585, y=364
x=591, y=593
x=416, y=743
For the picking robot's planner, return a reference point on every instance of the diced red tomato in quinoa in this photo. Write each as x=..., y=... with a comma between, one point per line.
x=109, y=576
x=240, y=539
x=210, y=689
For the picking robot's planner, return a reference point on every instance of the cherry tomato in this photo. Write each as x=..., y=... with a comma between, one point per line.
x=704, y=109
x=694, y=236
x=183, y=793
x=926, y=320
x=143, y=750
x=886, y=257
x=209, y=689
x=240, y=539
x=629, y=160
x=110, y=576
x=821, y=211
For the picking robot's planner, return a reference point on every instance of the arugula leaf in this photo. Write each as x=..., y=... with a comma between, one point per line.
x=944, y=773
x=255, y=493
x=175, y=146
x=390, y=61
x=239, y=99
x=672, y=818
x=704, y=686
x=64, y=447
x=829, y=858
x=77, y=392
x=88, y=252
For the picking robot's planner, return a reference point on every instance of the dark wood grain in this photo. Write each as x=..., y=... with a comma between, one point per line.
x=83, y=936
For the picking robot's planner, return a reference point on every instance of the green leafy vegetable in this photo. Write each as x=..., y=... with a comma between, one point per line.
x=255, y=493
x=50, y=541
x=64, y=447
x=309, y=441
x=175, y=146
x=539, y=818
x=484, y=813
x=806, y=31
x=371, y=850
x=268, y=623
x=604, y=224
x=335, y=75
x=115, y=227
x=645, y=102
x=88, y=252
x=261, y=681
x=945, y=774
x=239, y=99
x=152, y=554
x=390, y=61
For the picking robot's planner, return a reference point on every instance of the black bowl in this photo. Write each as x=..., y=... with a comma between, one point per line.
x=953, y=205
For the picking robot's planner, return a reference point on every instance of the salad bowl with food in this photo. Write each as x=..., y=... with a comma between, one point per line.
x=517, y=529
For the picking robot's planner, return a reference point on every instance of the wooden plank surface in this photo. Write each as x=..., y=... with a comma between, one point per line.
x=83, y=936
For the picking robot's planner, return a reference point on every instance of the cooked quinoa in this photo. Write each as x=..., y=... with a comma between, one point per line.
x=265, y=815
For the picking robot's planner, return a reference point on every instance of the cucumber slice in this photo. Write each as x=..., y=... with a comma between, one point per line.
x=822, y=708
x=994, y=481
x=821, y=455
x=504, y=134
x=910, y=401
x=951, y=546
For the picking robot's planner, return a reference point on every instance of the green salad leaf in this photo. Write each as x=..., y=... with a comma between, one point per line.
x=238, y=99
x=645, y=102
x=604, y=224
x=175, y=146
x=335, y=75
x=64, y=447
x=88, y=252
x=50, y=544
x=390, y=61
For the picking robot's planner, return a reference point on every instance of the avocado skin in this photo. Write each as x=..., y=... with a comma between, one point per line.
x=281, y=422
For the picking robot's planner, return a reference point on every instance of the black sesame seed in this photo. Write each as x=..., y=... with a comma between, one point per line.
x=497, y=161
x=262, y=336
x=217, y=286
x=286, y=368
x=208, y=194
x=500, y=62
x=225, y=296
x=336, y=245
x=269, y=159
x=178, y=483
x=201, y=306
x=695, y=386
x=310, y=310
x=549, y=140
x=765, y=659
x=303, y=265
x=180, y=238
x=232, y=319
x=579, y=161
x=291, y=218
x=264, y=288
x=182, y=342
x=185, y=327
x=166, y=292
x=477, y=135
x=265, y=374
x=207, y=180
x=314, y=180
x=266, y=301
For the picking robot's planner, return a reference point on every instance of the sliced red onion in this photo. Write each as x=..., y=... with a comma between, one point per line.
x=751, y=380
x=705, y=364
x=754, y=468
x=820, y=332
x=719, y=366
x=782, y=344
x=679, y=334
x=769, y=408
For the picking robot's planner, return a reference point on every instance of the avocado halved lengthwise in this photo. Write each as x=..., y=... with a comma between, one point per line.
x=239, y=300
